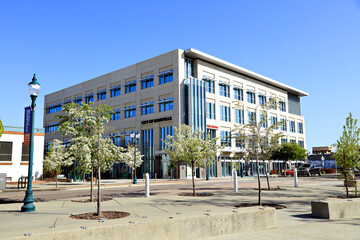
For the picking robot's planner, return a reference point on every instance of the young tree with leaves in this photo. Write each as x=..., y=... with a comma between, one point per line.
x=289, y=151
x=259, y=138
x=57, y=157
x=347, y=148
x=129, y=157
x=86, y=126
x=191, y=147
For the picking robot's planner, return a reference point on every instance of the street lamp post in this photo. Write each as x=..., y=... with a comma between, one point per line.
x=323, y=161
x=135, y=137
x=33, y=89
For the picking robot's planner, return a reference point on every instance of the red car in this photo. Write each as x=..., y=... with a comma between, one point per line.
x=290, y=172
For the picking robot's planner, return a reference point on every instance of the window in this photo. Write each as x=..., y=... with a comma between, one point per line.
x=225, y=138
x=211, y=133
x=292, y=126
x=283, y=126
x=115, y=115
x=147, y=108
x=166, y=104
x=166, y=77
x=250, y=96
x=240, y=143
x=46, y=147
x=300, y=128
x=224, y=90
x=210, y=85
x=101, y=95
x=239, y=116
x=89, y=98
x=273, y=103
x=130, y=112
x=264, y=120
x=78, y=100
x=283, y=140
x=292, y=140
x=282, y=106
x=130, y=87
x=273, y=121
x=224, y=113
x=301, y=143
x=164, y=133
x=251, y=118
x=5, y=151
x=210, y=110
x=25, y=156
x=147, y=82
x=54, y=108
x=52, y=127
x=262, y=99
x=115, y=91
x=238, y=94
x=115, y=138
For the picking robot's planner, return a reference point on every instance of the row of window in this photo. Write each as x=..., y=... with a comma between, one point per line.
x=239, y=118
x=6, y=151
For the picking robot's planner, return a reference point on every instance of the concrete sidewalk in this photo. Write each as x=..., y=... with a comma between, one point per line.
x=294, y=222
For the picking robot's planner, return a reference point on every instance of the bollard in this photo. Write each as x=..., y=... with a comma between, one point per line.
x=295, y=178
x=235, y=181
x=155, y=176
x=143, y=177
x=147, y=187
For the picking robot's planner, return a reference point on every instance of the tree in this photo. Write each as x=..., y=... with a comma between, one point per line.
x=86, y=126
x=191, y=147
x=289, y=151
x=56, y=158
x=1, y=128
x=347, y=148
x=129, y=157
x=259, y=138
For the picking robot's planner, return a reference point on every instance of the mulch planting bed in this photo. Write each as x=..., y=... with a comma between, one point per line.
x=277, y=206
x=196, y=194
x=104, y=214
x=344, y=197
x=88, y=200
x=271, y=189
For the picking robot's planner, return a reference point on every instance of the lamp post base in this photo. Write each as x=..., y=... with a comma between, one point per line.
x=135, y=181
x=28, y=202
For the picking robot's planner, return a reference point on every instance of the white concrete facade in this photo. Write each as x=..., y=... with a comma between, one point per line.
x=16, y=167
x=203, y=66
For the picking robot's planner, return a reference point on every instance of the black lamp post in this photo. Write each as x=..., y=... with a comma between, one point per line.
x=34, y=90
x=135, y=137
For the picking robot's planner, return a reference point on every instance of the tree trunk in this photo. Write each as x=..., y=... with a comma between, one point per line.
x=99, y=191
x=193, y=179
x=91, y=184
x=247, y=168
x=346, y=180
x=56, y=176
x=267, y=175
x=259, y=183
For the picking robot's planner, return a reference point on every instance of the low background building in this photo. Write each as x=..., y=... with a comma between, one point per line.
x=14, y=156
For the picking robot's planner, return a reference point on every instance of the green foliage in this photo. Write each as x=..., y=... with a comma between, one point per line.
x=289, y=151
x=190, y=147
x=347, y=146
x=1, y=128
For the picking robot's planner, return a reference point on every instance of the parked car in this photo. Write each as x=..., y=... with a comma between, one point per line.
x=309, y=169
x=290, y=172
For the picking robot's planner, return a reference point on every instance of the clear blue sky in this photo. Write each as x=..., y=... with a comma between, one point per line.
x=311, y=45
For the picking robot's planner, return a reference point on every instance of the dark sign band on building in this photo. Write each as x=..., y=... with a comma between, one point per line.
x=157, y=120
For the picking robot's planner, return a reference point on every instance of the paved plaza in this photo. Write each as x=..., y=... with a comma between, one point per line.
x=164, y=204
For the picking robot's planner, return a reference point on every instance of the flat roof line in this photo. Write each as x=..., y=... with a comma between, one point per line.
x=193, y=53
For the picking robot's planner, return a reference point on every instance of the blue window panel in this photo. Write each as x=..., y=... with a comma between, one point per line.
x=273, y=121
x=210, y=85
x=101, y=95
x=282, y=106
x=54, y=109
x=165, y=78
x=167, y=105
x=225, y=137
x=250, y=97
x=78, y=100
x=147, y=82
x=52, y=127
x=210, y=110
x=165, y=132
x=224, y=90
x=115, y=92
x=116, y=140
x=283, y=140
x=300, y=128
x=292, y=126
x=301, y=143
x=252, y=118
x=115, y=115
x=239, y=116
x=283, y=126
x=238, y=94
x=148, y=109
x=262, y=99
x=131, y=112
x=264, y=120
x=224, y=113
x=211, y=133
x=130, y=88
x=89, y=99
